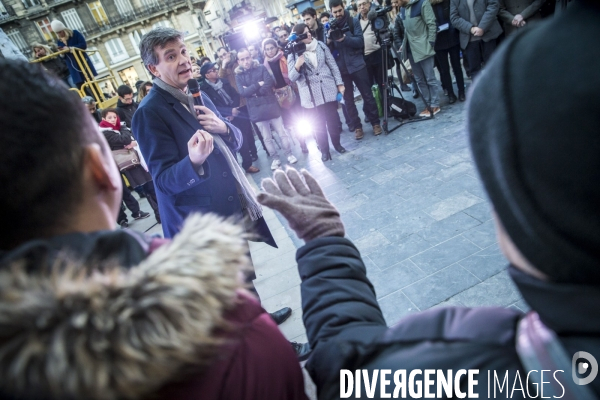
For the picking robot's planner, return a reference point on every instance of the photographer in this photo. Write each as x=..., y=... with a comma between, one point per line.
x=319, y=82
x=347, y=38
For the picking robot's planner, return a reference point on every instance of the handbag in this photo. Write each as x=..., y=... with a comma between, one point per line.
x=406, y=71
x=126, y=158
x=286, y=97
x=263, y=108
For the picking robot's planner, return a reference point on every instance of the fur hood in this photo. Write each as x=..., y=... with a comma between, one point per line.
x=239, y=69
x=115, y=332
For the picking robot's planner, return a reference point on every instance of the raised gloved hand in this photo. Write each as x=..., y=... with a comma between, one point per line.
x=304, y=205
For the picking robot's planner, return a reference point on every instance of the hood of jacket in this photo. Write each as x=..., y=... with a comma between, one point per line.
x=240, y=70
x=81, y=331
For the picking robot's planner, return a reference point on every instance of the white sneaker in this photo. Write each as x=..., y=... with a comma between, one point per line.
x=292, y=159
x=276, y=164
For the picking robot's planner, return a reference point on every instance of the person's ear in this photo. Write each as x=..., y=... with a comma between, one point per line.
x=102, y=169
x=153, y=70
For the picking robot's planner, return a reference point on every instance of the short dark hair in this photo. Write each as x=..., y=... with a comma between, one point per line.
x=124, y=89
x=310, y=11
x=324, y=14
x=222, y=48
x=44, y=132
x=335, y=3
x=105, y=112
x=157, y=37
x=243, y=49
x=299, y=28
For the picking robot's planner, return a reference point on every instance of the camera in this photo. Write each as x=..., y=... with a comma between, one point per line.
x=336, y=31
x=295, y=45
x=379, y=21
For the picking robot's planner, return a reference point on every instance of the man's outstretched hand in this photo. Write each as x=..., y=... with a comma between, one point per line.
x=304, y=205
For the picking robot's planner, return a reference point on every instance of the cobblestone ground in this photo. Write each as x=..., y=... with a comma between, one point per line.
x=413, y=204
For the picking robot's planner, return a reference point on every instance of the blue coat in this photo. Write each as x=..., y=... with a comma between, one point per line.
x=163, y=126
x=77, y=40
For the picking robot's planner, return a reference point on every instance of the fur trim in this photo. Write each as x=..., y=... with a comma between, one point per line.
x=239, y=68
x=120, y=333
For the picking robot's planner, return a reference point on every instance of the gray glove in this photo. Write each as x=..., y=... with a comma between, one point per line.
x=304, y=205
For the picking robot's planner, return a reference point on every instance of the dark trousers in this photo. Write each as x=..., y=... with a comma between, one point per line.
x=130, y=201
x=441, y=56
x=325, y=118
x=375, y=69
x=361, y=79
x=248, y=149
x=478, y=53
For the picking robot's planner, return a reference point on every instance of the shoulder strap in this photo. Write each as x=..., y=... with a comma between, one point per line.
x=367, y=26
x=539, y=349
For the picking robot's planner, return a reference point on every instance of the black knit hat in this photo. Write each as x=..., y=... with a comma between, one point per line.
x=534, y=127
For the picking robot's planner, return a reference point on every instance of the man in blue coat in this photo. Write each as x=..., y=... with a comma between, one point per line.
x=189, y=149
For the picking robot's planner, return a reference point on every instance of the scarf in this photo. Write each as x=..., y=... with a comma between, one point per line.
x=311, y=52
x=247, y=196
x=283, y=66
x=218, y=86
x=106, y=124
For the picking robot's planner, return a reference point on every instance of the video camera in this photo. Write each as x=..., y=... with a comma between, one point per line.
x=336, y=31
x=295, y=45
x=379, y=21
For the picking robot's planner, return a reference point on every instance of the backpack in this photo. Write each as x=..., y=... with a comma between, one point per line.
x=402, y=108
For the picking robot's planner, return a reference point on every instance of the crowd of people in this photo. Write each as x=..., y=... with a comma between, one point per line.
x=91, y=311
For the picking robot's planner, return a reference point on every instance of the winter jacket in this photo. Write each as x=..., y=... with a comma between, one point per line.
x=419, y=30
x=486, y=12
x=350, y=57
x=248, y=87
x=322, y=78
x=227, y=72
x=76, y=40
x=528, y=9
x=449, y=37
x=224, y=108
x=347, y=330
x=122, y=317
x=126, y=111
x=117, y=139
x=398, y=32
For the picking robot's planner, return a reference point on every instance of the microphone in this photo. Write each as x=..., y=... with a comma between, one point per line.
x=292, y=37
x=372, y=15
x=194, y=89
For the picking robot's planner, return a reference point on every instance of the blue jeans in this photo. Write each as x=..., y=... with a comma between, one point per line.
x=428, y=84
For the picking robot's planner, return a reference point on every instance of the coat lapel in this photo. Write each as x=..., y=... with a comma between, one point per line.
x=180, y=109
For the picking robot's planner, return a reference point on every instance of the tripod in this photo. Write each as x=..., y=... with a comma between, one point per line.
x=383, y=38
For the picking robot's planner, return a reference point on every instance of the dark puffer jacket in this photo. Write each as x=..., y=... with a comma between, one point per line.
x=126, y=111
x=346, y=328
x=257, y=96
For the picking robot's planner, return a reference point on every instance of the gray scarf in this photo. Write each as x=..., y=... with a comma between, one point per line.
x=218, y=86
x=247, y=196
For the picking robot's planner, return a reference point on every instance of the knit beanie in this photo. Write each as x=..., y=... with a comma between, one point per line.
x=57, y=26
x=534, y=128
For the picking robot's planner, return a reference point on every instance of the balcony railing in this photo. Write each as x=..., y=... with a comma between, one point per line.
x=8, y=14
x=116, y=20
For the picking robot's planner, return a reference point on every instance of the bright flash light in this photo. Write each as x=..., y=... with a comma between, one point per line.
x=251, y=32
x=304, y=128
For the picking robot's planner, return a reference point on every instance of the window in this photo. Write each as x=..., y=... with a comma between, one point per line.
x=129, y=76
x=116, y=50
x=30, y=3
x=98, y=13
x=136, y=37
x=124, y=7
x=46, y=29
x=96, y=59
x=72, y=20
x=164, y=23
x=18, y=40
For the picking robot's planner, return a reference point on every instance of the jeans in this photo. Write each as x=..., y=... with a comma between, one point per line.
x=361, y=79
x=444, y=68
x=265, y=129
x=428, y=84
x=323, y=119
x=130, y=201
x=478, y=53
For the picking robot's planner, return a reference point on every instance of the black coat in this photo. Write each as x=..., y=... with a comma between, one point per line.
x=126, y=111
x=346, y=328
x=224, y=108
x=447, y=38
